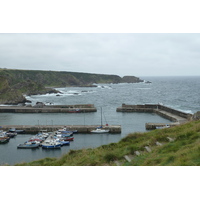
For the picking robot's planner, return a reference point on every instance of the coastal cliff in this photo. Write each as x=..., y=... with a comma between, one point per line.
x=16, y=83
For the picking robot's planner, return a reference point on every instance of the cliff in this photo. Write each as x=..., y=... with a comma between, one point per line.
x=131, y=79
x=15, y=83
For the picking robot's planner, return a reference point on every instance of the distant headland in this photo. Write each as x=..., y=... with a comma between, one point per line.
x=14, y=84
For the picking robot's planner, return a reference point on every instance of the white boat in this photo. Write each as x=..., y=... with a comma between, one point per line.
x=162, y=127
x=51, y=145
x=99, y=130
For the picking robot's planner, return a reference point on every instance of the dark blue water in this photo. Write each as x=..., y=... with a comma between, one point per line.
x=178, y=92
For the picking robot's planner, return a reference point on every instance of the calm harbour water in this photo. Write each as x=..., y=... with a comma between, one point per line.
x=177, y=92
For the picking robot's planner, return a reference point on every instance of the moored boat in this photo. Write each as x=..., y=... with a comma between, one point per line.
x=51, y=145
x=12, y=130
x=63, y=142
x=99, y=130
x=68, y=138
x=28, y=145
x=162, y=127
x=11, y=134
x=4, y=140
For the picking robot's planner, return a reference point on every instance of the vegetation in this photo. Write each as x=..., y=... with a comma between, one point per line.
x=58, y=79
x=31, y=82
x=183, y=151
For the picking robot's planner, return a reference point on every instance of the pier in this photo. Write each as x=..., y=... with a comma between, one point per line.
x=176, y=116
x=42, y=108
x=32, y=129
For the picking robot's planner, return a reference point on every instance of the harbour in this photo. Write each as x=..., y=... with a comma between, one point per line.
x=174, y=115
x=167, y=90
x=32, y=129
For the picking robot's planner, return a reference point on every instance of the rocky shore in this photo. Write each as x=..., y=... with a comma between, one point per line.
x=15, y=84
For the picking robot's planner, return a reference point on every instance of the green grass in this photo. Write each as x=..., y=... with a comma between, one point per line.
x=184, y=151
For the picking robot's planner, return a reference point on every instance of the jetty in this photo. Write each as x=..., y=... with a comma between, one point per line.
x=33, y=129
x=42, y=108
x=176, y=116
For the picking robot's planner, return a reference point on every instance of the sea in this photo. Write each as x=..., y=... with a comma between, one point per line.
x=181, y=93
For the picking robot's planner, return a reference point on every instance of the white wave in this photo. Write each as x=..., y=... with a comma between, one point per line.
x=104, y=87
x=186, y=111
x=143, y=88
x=6, y=105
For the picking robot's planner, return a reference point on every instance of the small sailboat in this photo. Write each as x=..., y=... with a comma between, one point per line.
x=100, y=128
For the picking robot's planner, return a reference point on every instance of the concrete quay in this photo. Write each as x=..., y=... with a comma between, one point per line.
x=173, y=115
x=33, y=129
x=41, y=108
x=152, y=126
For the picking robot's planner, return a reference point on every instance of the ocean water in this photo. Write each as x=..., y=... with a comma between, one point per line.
x=181, y=93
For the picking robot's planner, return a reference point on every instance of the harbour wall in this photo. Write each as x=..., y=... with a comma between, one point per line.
x=40, y=108
x=33, y=129
x=157, y=108
x=152, y=126
x=176, y=116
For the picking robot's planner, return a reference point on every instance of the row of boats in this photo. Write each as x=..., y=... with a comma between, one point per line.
x=49, y=140
x=6, y=135
x=45, y=139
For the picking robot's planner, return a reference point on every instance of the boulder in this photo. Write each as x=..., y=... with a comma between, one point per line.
x=196, y=116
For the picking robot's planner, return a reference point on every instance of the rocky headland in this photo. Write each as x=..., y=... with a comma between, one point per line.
x=14, y=84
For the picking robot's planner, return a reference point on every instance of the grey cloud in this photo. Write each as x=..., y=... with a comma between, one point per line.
x=122, y=54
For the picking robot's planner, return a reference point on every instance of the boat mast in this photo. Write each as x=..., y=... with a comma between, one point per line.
x=101, y=117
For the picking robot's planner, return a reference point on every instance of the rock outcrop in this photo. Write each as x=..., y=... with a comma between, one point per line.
x=196, y=116
x=16, y=83
x=131, y=79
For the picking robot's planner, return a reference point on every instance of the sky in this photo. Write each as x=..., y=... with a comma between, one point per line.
x=137, y=54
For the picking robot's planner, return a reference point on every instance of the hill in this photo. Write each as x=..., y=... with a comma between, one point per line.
x=175, y=146
x=15, y=83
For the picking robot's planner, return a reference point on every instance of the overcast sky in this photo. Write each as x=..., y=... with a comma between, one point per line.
x=147, y=54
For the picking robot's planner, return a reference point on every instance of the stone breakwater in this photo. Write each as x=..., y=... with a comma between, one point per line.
x=173, y=115
x=41, y=108
x=32, y=129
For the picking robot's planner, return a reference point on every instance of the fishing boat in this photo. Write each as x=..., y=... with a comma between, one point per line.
x=11, y=134
x=63, y=142
x=64, y=131
x=70, y=138
x=12, y=130
x=51, y=145
x=4, y=140
x=43, y=134
x=28, y=145
x=100, y=128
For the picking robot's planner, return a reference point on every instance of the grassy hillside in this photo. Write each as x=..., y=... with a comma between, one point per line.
x=57, y=79
x=184, y=150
